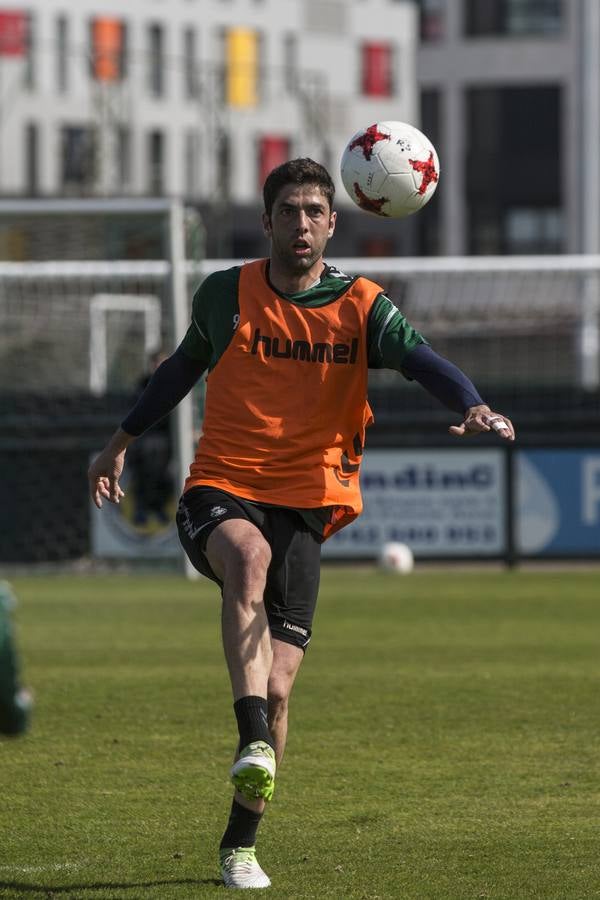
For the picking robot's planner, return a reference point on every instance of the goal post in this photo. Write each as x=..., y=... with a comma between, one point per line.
x=61, y=288
x=180, y=307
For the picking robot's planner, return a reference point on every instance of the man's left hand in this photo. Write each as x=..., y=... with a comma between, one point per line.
x=481, y=418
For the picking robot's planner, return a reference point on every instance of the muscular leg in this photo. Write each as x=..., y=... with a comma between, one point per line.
x=262, y=672
x=239, y=555
x=286, y=662
x=244, y=822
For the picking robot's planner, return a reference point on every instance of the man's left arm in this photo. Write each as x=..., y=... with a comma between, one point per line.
x=395, y=344
x=454, y=389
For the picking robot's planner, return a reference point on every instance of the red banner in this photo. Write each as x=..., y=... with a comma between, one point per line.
x=272, y=152
x=377, y=70
x=13, y=33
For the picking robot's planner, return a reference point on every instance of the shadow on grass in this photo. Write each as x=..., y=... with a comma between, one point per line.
x=103, y=886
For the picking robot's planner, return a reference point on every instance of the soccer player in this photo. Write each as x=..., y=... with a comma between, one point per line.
x=287, y=342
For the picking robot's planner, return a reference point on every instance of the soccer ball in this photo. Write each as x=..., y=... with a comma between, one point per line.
x=396, y=557
x=390, y=169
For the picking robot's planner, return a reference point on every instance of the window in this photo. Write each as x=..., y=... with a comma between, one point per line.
x=290, y=62
x=124, y=55
x=124, y=156
x=62, y=54
x=513, y=17
x=190, y=65
x=223, y=186
x=108, y=57
x=377, y=69
x=429, y=226
x=513, y=172
x=156, y=163
x=531, y=230
x=29, y=73
x=31, y=159
x=156, y=62
x=533, y=16
x=191, y=163
x=432, y=19
x=78, y=157
x=273, y=150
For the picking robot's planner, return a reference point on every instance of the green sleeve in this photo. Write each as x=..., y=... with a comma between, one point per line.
x=389, y=336
x=215, y=314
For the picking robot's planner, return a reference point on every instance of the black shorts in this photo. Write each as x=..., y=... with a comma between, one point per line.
x=293, y=577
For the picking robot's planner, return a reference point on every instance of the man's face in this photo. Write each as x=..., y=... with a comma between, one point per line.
x=299, y=227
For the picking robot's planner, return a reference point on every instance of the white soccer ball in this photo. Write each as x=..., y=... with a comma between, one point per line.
x=390, y=169
x=396, y=557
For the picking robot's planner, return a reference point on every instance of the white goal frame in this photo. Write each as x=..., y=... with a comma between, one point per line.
x=100, y=306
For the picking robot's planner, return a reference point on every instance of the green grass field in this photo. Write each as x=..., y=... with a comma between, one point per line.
x=444, y=741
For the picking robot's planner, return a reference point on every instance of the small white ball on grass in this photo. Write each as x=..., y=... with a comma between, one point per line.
x=396, y=557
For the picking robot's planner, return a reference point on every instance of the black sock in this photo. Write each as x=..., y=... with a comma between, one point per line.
x=241, y=828
x=253, y=725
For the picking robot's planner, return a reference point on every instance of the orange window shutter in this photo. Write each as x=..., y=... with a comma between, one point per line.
x=107, y=46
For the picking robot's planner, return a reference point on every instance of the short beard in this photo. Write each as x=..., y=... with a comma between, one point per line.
x=298, y=265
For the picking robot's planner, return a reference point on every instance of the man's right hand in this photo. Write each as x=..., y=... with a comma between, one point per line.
x=106, y=469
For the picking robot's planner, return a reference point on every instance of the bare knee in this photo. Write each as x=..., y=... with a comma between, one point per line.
x=248, y=562
x=246, y=577
x=240, y=556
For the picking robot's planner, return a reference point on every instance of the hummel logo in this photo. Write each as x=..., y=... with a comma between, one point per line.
x=290, y=627
x=217, y=511
x=320, y=352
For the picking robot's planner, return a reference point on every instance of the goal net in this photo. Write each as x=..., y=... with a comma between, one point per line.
x=80, y=327
x=80, y=332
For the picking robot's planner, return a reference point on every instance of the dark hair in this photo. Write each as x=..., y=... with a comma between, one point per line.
x=297, y=171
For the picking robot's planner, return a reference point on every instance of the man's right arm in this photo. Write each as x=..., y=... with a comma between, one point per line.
x=173, y=379
x=171, y=382
x=214, y=309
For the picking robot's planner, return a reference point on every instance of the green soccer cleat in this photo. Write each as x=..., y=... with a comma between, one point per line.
x=254, y=772
x=240, y=869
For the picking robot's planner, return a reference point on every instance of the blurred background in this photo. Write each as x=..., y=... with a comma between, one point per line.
x=134, y=141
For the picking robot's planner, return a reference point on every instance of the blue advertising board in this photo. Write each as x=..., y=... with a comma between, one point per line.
x=558, y=502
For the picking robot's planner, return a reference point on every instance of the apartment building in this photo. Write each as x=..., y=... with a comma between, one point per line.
x=198, y=98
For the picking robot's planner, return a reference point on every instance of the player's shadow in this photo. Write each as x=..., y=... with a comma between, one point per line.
x=50, y=890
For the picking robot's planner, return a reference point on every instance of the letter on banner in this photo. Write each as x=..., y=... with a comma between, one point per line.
x=590, y=489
